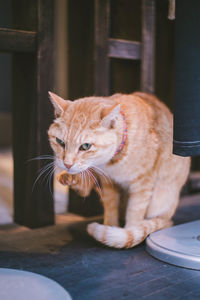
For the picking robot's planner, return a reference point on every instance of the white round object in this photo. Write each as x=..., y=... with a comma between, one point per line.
x=178, y=245
x=23, y=285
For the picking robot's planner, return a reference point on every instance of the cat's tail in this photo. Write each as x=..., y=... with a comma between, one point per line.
x=126, y=237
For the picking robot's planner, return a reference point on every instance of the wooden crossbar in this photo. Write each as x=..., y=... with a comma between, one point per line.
x=17, y=40
x=124, y=49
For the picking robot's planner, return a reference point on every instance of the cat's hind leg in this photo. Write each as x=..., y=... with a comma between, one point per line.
x=164, y=200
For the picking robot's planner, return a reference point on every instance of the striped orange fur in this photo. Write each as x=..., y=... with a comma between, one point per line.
x=145, y=170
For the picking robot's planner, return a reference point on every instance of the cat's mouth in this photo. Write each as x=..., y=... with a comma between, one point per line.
x=75, y=171
x=72, y=172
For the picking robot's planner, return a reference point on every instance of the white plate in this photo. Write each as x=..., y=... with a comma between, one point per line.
x=23, y=285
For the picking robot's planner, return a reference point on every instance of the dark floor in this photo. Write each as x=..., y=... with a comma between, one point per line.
x=90, y=271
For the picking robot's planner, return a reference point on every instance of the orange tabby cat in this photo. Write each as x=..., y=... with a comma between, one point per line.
x=125, y=143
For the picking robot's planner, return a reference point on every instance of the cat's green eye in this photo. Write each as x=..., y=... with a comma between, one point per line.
x=85, y=147
x=60, y=142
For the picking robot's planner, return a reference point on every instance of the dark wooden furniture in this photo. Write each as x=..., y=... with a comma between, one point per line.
x=31, y=42
x=107, y=48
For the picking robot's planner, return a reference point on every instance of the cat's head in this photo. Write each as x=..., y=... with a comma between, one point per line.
x=83, y=134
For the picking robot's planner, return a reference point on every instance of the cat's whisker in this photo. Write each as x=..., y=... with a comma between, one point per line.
x=83, y=178
x=41, y=172
x=48, y=171
x=45, y=168
x=50, y=179
x=46, y=178
x=102, y=173
x=88, y=177
x=95, y=182
x=85, y=181
x=41, y=157
x=82, y=185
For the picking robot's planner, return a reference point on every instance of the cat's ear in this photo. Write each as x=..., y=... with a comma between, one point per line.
x=59, y=104
x=110, y=116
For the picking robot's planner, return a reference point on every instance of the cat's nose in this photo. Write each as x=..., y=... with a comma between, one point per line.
x=68, y=166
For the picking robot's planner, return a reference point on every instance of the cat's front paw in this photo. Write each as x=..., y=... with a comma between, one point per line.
x=67, y=179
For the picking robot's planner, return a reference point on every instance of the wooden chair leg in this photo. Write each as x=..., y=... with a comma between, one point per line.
x=32, y=114
x=148, y=46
